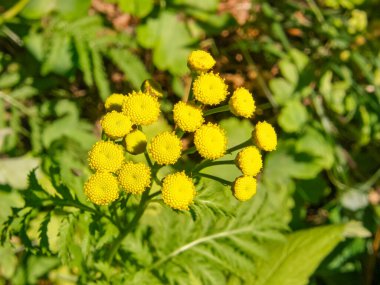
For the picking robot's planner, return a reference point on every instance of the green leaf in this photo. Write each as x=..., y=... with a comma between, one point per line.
x=282, y=90
x=36, y=9
x=59, y=56
x=84, y=58
x=14, y=171
x=293, y=262
x=170, y=40
x=289, y=71
x=316, y=145
x=293, y=117
x=134, y=70
x=139, y=8
x=73, y=9
x=300, y=59
x=100, y=75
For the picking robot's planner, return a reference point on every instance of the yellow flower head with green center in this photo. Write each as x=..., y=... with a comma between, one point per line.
x=187, y=116
x=152, y=88
x=244, y=188
x=242, y=103
x=135, y=142
x=101, y=188
x=249, y=161
x=265, y=136
x=114, y=102
x=134, y=177
x=210, y=141
x=200, y=61
x=106, y=156
x=165, y=148
x=210, y=89
x=141, y=108
x=178, y=191
x=116, y=125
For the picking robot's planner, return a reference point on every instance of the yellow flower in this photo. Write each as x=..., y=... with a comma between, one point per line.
x=178, y=191
x=116, y=125
x=200, y=61
x=210, y=141
x=114, y=102
x=152, y=88
x=106, y=156
x=187, y=116
x=210, y=89
x=165, y=148
x=141, y=108
x=101, y=188
x=249, y=161
x=265, y=136
x=244, y=188
x=134, y=177
x=242, y=103
x=135, y=142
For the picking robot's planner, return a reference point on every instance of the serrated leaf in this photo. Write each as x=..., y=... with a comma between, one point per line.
x=100, y=75
x=293, y=262
x=58, y=56
x=43, y=234
x=83, y=51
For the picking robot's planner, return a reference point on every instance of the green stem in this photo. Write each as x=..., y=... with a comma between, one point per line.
x=148, y=159
x=209, y=163
x=219, y=109
x=224, y=182
x=190, y=150
x=12, y=12
x=239, y=146
x=130, y=227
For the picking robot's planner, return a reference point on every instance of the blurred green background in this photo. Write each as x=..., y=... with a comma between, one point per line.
x=313, y=67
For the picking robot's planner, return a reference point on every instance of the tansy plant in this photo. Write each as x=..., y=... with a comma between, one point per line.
x=123, y=131
x=121, y=228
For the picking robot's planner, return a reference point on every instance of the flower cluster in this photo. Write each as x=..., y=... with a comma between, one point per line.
x=123, y=131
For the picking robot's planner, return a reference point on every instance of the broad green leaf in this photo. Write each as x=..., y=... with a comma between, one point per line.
x=300, y=59
x=209, y=5
x=282, y=90
x=316, y=145
x=170, y=40
x=289, y=71
x=73, y=9
x=36, y=9
x=293, y=117
x=139, y=8
x=293, y=262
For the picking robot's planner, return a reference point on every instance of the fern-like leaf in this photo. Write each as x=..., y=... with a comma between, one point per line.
x=100, y=75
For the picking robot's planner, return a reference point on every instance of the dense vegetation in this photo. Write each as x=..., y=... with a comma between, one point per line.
x=314, y=70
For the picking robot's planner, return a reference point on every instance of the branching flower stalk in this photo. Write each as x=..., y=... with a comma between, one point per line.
x=123, y=132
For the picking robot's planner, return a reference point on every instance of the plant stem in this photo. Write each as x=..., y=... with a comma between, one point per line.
x=148, y=159
x=239, y=146
x=219, y=109
x=224, y=182
x=189, y=150
x=130, y=227
x=12, y=12
x=209, y=163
